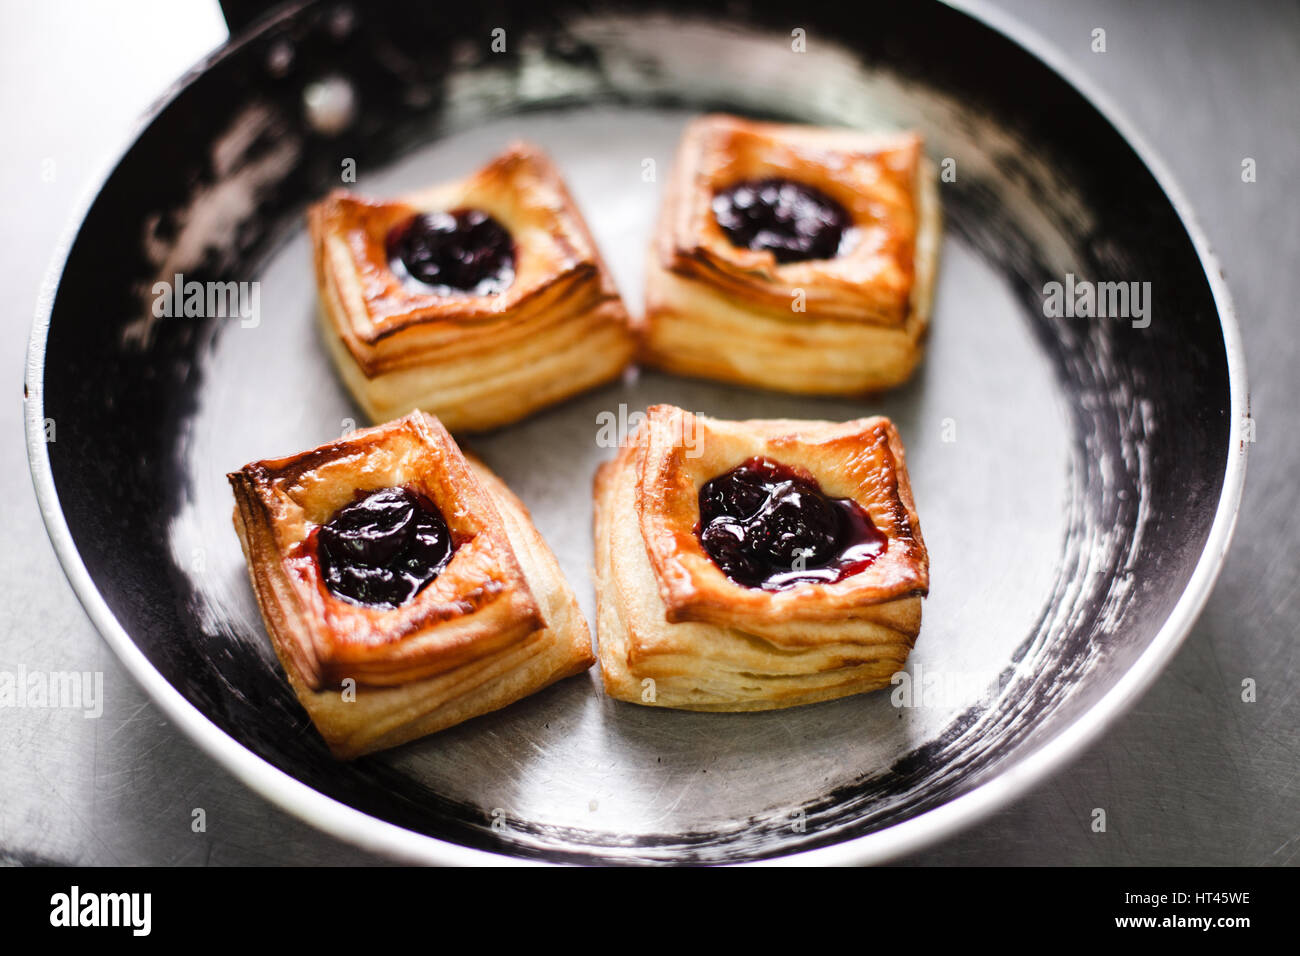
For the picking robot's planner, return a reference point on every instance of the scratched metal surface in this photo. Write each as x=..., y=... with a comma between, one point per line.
x=109, y=790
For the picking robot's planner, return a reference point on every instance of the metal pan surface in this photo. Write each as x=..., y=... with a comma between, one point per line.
x=1077, y=478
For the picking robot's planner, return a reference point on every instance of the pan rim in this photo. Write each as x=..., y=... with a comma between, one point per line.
x=370, y=833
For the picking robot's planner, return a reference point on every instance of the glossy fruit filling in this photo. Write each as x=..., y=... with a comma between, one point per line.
x=792, y=221
x=770, y=526
x=463, y=252
x=382, y=549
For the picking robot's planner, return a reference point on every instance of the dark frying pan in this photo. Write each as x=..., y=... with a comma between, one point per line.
x=1078, y=478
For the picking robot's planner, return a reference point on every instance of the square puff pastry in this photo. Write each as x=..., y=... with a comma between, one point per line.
x=498, y=623
x=843, y=326
x=475, y=361
x=674, y=631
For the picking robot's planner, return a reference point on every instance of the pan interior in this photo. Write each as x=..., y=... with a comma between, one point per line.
x=1045, y=472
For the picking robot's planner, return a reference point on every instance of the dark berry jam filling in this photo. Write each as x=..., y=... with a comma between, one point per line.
x=792, y=221
x=382, y=549
x=461, y=252
x=770, y=526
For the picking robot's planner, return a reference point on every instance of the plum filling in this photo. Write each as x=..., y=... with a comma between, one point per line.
x=382, y=549
x=792, y=221
x=463, y=252
x=770, y=526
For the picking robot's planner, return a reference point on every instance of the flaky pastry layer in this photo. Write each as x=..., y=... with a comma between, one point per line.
x=674, y=631
x=476, y=362
x=498, y=623
x=843, y=326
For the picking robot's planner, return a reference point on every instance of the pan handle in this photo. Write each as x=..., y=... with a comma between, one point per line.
x=240, y=13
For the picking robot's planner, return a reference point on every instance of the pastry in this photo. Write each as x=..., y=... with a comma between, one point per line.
x=755, y=565
x=794, y=258
x=480, y=301
x=404, y=587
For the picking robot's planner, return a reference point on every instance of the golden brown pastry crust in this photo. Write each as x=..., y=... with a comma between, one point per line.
x=498, y=623
x=668, y=614
x=476, y=362
x=846, y=325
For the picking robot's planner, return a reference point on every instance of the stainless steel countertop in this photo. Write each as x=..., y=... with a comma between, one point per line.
x=1193, y=775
